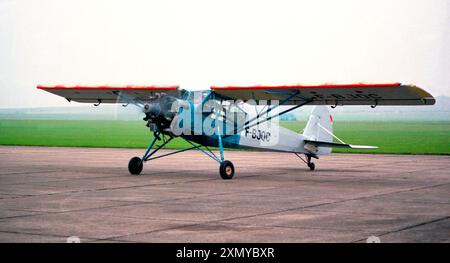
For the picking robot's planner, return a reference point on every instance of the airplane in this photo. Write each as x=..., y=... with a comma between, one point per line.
x=229, y=121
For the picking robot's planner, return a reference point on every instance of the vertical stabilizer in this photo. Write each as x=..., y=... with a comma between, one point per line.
x=320, y=127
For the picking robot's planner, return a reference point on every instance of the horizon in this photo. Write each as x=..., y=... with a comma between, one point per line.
x=78, y=111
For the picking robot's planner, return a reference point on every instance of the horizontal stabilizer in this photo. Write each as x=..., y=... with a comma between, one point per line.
x=362, y=147
x=338, y=145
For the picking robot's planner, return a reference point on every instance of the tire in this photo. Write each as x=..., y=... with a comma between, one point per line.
x=311, y=166
x=135, y=165
x=226, y=170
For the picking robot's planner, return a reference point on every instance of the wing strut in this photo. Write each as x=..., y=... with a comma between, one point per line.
x=255, y=121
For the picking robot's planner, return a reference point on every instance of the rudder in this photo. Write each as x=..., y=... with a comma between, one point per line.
x=319, y=126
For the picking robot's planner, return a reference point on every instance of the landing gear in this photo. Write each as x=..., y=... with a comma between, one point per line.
x=226, y=170
x=310, y=164
x=135, y=165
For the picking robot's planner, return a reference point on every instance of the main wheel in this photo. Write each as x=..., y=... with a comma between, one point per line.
x=311, y=166
x=226, y=170
x=135, y=165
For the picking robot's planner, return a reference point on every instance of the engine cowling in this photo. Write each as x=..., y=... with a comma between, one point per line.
x=160, y=112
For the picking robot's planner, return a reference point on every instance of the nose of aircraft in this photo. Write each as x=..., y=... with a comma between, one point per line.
x=153, y=109
x=160, y=111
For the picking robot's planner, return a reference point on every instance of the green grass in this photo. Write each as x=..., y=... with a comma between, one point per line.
x=391, y=137
x=83, y=133
x=420, y=137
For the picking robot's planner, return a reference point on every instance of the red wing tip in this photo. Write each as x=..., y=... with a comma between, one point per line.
x=106, y=87
x=355, y=85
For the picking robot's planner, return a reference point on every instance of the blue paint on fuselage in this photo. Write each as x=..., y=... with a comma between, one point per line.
x=213, y=140
x=228, y=141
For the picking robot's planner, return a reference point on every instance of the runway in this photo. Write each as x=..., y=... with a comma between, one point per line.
x=49, y=194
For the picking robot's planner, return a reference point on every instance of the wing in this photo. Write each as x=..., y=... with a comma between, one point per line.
x=110, y=94
x=331, y=94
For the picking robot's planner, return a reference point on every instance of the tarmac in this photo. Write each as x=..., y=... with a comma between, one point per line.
x=49, y=194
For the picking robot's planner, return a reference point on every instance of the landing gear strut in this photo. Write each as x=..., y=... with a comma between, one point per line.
x=226, y=168
x=308, y=162
x=136, y=164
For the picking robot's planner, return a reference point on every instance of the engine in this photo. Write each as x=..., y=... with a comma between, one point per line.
x=159, y=113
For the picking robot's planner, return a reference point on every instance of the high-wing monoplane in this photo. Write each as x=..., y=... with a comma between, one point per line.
x=242, y=116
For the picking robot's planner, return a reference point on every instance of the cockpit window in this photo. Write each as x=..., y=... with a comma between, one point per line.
x=195, y=97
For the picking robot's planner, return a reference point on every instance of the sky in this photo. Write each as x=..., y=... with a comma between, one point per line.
x=196, y=44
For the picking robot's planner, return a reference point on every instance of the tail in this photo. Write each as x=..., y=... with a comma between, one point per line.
x=320, y=127
x=319, y=133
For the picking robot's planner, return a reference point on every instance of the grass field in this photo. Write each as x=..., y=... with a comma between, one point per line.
x=391, y=137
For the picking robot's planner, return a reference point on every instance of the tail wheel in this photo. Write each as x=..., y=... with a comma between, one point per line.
x=310, y=164
x=226, y=170
x=135, y=165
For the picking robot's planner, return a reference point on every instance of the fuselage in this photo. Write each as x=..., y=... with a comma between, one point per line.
x=268, y=136
x=263, y=138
